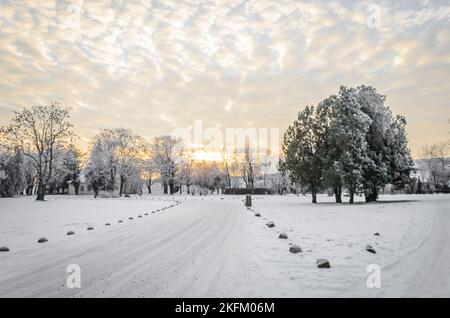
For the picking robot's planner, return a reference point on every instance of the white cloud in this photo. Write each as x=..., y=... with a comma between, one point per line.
x=152, y=65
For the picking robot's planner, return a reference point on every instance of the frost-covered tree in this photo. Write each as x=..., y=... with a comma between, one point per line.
x=346, y=142
x=436, y=159
x=116, y=157
x=30, y=175
x=58, y=181
x=101, y=168
x=167, y=152
x=185, y=174
x=71, y=161
x=207, y=175
x=149, y=166
x=329, y=148
x=231, y=167
x=280, y=183
x=129, y=149
x=12, y=179
x=302, y=146
x=249, y=166
x=388, y=155
x=351, y=140
x=37, y=131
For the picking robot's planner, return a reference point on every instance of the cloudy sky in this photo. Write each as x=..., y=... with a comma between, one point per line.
x=154, y=66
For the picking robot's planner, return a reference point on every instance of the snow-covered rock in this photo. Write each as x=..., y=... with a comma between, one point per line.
x=295, y=249
x=323, y=263
x=370, y=249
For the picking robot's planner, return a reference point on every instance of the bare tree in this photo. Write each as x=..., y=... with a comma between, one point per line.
x=72, y=163
x=186, y=168
x=435, y=158
x=37, y=131
x=167, y=152
x=208, y=175
x=149, y=166
x=116, y=153
x=250, y=166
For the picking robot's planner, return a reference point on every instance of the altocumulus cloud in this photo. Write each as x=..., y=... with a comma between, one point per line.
x=156, y=65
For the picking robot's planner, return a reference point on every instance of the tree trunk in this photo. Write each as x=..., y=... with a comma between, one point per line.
x=352, y=190
x=77, y=187
x=338, y=194
x=122, y=183
x=372, y=196
x=314, y=196
x=40, y=192
x=149, y=186
x=171, y=187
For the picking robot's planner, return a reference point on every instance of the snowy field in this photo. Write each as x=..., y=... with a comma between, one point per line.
x=214, y=247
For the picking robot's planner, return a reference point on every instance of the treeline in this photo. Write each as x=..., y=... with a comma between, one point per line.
x=434, y=169
x=38, y=154
x=350, y=142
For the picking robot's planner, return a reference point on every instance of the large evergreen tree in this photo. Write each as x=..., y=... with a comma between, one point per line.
x=389, y=159
x=349, y=126
x=301, y=147
x=350, y=141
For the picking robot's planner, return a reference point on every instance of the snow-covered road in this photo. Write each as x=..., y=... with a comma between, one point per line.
x=193, y=249
x=214, y=247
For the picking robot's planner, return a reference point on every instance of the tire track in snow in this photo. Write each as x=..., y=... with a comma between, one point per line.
x=164, y=255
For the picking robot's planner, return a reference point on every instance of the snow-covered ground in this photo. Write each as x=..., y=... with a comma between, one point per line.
x=409, y=247
x=214, y=247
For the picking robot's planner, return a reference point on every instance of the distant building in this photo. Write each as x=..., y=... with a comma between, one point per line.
x=85, y=187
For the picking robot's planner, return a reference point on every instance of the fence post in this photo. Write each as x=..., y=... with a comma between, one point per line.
x=248, y=200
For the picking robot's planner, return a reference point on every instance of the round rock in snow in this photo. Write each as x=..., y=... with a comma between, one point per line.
x=257, y=215
x=139, y=216
x=130, y=218
x=71, y=233
x=42, y=240
x=120, y=221
x=323, y=263
x=377, y=234
x=370, y=249
x=295, y=249
x=90, y=228
x=270, y=224
x=4, y=249
x=283, y=236
x=107, y=224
